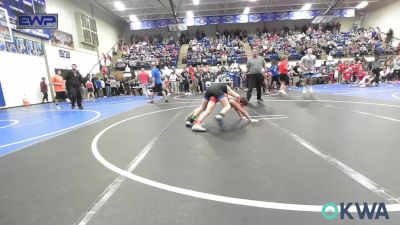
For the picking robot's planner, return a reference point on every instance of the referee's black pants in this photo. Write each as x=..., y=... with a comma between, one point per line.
x=255, y=81
x=377, y=73
x=75, y=94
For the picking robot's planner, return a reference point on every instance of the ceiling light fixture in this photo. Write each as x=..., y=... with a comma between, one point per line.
x=362, y=5
x=119, y=6
x=133, y=18
x=306, y=6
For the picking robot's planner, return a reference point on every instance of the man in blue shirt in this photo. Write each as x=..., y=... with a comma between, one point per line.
x=157, y=83
x=274, y=76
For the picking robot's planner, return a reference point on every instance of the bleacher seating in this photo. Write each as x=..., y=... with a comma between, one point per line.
x=213, y=51
x=334, y=44
x=142, y=54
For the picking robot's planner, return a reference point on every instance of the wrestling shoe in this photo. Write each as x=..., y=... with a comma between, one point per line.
x=220, y=120
x=198, y=128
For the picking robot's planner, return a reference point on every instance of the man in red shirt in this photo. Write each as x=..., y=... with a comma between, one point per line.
x=341, y=69
x=194, y=85
x=144, y=78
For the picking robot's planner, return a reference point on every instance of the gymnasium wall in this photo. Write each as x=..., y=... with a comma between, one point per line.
x=21, y=74
x=385, y=17
x=108, y=27
x=83, y=60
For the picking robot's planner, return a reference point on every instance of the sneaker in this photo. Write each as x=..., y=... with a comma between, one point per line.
x=72, y=107
x=151, y=102
x=283, y=92
x=80, y=107
x=198, y=128
x=260, y=100
x=220, y=120
x=188, y=123
x=67, y=100
x=58, y=107
x=166, y=100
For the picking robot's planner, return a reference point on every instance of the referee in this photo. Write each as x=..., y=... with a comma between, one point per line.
x=73, y=81
x=255, y=66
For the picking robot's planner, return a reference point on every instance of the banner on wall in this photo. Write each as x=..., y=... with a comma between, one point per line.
x=240, y=18
x=2, y=101
x=15, y=7
x=22, y=46
x=200, y=21
x=213, y=20
x=62, y=39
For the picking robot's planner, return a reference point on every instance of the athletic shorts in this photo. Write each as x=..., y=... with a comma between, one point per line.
x=61, y=95
x=214, y=92
x=213, y=99
x=284, y=78
x=308, y=75
x=90, y=90
x=158, y=88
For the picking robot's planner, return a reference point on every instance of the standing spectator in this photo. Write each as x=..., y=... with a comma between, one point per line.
x=99, y=87
x=194, y=81
x=144, y=78
x=90, y=90
x=74, y=82
x=107, y=86
x=308, y=63
x=59, y=87
x=184, y=82
x=254, y=73
x=114, y=87
x=341, y=69
x=283, y=74
x=103, y=88
x=44, y=89
x=173, y=82
x=396, y=68
x=157, y=83
x=274, y=76
x=93, y=79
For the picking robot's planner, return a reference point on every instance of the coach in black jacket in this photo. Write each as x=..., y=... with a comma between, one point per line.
x=73, y=82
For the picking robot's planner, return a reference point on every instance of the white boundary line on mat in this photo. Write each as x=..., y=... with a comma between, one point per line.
x=220, y=198
x=13, y=122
